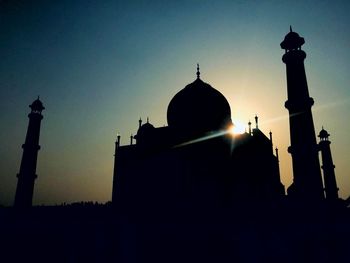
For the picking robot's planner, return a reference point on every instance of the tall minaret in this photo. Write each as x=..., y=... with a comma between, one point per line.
x=330, y=183
x=307, y=181
x=27, y=172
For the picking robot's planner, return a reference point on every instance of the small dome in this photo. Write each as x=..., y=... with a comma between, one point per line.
x=37, y=105
x=146, y=127
x=144, y=131
x=292, y=41
x=323, y=134
x=198, y=108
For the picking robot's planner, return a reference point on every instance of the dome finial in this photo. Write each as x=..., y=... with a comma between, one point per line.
x=290, y=28
x=198, y=73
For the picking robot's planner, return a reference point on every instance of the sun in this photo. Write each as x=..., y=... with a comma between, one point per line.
x=237, y=128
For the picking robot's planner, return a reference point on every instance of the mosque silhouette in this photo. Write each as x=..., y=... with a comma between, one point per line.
x=193, y=192
x=195, y=160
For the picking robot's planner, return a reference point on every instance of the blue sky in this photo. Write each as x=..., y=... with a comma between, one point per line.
x=99, y=66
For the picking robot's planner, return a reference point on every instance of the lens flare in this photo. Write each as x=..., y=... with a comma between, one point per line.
x=237, y=128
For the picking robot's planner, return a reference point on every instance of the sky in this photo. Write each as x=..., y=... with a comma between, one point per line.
x=99, y=66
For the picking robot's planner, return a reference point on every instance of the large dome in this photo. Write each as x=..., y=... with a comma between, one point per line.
x=199, y=108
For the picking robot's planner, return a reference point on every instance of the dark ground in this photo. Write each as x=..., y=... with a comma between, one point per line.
x=96, y=233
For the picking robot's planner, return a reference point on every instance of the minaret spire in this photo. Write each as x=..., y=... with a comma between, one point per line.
x=270, y=133
x=118, y=140
x=290, y=29
x=27, y=172
x=140, y=122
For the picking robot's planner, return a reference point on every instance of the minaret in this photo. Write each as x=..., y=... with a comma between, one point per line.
x=307, y=181
x=330, y=183
x=117, y=145
x=27, y=172
x=270, y=133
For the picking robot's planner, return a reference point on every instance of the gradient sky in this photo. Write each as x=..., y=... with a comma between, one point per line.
x=99, y=66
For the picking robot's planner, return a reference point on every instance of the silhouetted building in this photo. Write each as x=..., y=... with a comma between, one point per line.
x=307, y=180
x=195, y=161
x=330, y=183
x=27, y=172
x=192, y=192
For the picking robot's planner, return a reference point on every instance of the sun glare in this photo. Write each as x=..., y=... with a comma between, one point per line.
x=237, y=128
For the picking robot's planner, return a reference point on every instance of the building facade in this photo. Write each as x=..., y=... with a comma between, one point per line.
x=195, y=161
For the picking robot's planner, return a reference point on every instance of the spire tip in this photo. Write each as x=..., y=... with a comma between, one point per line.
x=198, y=72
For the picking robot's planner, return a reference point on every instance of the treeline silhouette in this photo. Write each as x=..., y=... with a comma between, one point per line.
x=93, y=232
